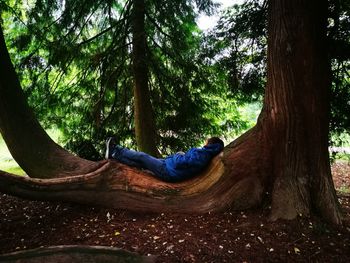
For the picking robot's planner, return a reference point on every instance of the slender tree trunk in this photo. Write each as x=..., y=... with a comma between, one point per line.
x=28, y=143
x=145, y=128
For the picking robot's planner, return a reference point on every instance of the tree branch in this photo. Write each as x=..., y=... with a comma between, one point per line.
x=157, y=26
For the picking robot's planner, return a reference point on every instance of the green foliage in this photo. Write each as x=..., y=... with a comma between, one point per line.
x=238, y=46
x=341, y=142
x=339, y=33
x=344, y=189
x=74, y=63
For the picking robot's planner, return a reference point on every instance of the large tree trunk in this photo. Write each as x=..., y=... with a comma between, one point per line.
x=284, y=155
x=28, y=143
x=145, y=128
x=295, y=116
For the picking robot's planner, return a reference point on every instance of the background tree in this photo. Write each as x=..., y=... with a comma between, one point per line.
x=339, y=37
x=238, y=46
x=145, y=129
x=75, y=62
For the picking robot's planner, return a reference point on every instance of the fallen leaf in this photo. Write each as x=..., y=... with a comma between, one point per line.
x=296, y=250
x=170, y=247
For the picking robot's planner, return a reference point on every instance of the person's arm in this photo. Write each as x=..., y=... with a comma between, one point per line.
x=194, y=157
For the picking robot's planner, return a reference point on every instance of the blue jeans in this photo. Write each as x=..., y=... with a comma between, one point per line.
x=141, y=160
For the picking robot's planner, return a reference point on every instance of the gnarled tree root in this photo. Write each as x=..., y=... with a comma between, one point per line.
x=75, y=254
x=119, y=186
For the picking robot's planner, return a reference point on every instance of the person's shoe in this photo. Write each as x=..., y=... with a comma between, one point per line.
x=110, y=144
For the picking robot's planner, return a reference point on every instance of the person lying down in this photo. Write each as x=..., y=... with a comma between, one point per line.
x=174, y=168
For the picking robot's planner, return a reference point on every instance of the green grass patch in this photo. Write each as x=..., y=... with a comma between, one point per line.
x=344, y=189
x=343, y=157
x=16, y=169
x=8, y=164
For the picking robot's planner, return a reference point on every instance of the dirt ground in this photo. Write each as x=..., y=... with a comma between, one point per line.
x=245, y=236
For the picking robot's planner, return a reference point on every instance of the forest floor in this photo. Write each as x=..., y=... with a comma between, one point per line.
x=245, y=236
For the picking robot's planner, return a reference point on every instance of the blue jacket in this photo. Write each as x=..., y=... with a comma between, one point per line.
x=183, y=166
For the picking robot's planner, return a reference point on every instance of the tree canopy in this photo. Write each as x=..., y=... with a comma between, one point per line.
x=74, y=61
x=75, y=65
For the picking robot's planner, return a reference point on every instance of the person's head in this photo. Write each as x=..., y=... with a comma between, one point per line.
x=214, y=140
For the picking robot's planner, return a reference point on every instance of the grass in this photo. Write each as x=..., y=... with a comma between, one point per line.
x=342, y=157
x=8, y=164
x=344, y=189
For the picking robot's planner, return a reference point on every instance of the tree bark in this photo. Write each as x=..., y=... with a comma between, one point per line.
x=28, y=143
x=295, y=117
x=145, y=127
